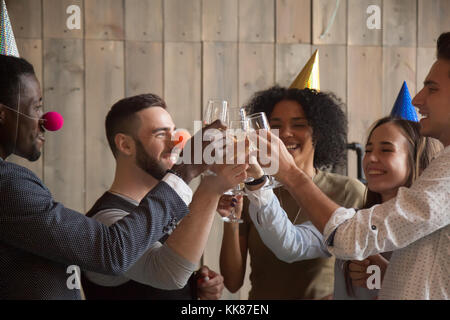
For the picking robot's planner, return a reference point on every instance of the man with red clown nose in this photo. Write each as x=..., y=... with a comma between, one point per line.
x=40, y=238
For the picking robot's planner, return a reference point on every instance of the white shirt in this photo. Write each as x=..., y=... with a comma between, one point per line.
x=415, y=225
x=159, y=266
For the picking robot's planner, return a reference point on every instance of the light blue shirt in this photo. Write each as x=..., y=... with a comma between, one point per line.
x=292, y=243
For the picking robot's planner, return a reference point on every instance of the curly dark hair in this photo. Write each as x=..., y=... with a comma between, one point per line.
x=324, y=114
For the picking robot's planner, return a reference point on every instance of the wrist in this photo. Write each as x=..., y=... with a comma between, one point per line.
x=183, y=171
x=295, y=178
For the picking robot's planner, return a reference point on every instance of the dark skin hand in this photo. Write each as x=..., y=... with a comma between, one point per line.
x=192, y=170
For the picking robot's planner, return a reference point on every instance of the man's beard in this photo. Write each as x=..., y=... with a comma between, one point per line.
x=148, y=163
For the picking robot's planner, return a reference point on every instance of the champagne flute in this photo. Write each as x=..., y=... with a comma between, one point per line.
x=215, y=110
x=258, y=121
x=237, y=132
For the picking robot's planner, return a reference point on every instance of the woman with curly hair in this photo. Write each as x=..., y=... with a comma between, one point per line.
x=313, y=127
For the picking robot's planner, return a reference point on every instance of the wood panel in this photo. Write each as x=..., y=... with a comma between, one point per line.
x=144, y=68
x=399, y=64
x=290, y=60
x=104, y=87
x=219, y=82
x=426, y=57
x=144, y=20
x=358, y=32
x=220, y=20
x=399, y=23
x=293, y=21
x=433, y=19
x=256, y=20
x=256, y=69
x=31, y=50
x=322, y=16
x=333, y=69
x=182, y=20
x=182, y=83
x=25, y=17
x=364, y=95
x=104, y=19
x=55, y=19
x=64, y=93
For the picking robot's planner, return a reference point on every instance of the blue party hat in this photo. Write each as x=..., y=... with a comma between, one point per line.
x=403, y=107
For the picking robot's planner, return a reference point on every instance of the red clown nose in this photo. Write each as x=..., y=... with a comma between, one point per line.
x=181, y=136
x=53, y=121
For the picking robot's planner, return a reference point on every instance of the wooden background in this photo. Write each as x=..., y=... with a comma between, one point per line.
x=188, y=51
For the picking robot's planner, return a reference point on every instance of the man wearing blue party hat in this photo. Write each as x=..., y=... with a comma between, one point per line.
x=403, y=107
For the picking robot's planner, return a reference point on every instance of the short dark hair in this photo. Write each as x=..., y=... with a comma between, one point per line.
x=324, y=114
x=11, y=69
x=443, y=46
x=122, y=116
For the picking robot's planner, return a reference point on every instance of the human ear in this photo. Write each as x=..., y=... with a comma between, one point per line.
x=124, y=144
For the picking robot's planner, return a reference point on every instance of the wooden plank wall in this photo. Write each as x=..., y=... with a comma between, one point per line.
x=189, y=51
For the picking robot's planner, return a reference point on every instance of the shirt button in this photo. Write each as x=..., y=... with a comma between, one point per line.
x=374, y=227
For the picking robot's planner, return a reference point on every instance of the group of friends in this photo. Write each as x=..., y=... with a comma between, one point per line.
x=313, y=238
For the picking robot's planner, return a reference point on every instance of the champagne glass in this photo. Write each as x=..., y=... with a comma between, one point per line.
x=215, y=110
x=258, y=121
x=237, y=132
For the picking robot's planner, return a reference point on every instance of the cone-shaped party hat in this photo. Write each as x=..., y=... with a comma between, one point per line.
x=7, y=41
x=309, y=76
x=403, y=107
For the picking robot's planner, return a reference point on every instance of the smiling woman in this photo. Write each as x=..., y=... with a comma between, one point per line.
x=313, y=126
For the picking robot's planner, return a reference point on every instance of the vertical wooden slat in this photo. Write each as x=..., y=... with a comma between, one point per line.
x=425, y=59
x=399, y=64
x=31, y=50
x=55, y=19
x=219, y=80
x=333, y=69
x=144, y=68
x=322, y=16
x=399, y=23
x=256, y=20
x=364, y=95
x=26, y=18
x=144, y=20
x=64, y=93
x=290, y=60
x=182, y=20
x=220, y=20
x=358, y=33
x=104, y=87
x=104, y=19
x=293, y=21
x=433, y=19
x=256, y=69
x=182, y=83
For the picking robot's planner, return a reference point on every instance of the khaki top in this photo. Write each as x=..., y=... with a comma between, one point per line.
x=309, y=279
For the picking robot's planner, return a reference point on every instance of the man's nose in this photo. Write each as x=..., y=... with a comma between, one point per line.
x=417, y=101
